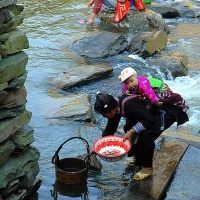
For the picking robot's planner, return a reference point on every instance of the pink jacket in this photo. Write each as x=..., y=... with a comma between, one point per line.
x=144, y=88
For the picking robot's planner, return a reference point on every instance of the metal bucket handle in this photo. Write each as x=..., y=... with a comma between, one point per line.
x=55, y=158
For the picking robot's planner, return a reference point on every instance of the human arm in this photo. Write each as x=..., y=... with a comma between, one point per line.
x=159, y=104
x=132, y=136
x=96, y=9
x=112, y=125
x=90, y=3
x=147, y=90
x=125, y=90
x=139, y=117
x=91, y=18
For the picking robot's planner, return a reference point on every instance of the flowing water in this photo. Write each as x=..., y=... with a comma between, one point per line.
x=50, y=27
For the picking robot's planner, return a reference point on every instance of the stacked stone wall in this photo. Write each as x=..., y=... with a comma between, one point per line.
x=18, y=158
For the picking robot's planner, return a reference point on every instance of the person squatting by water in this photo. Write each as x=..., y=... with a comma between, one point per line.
x=153, y=89
x=110, y=6
x=143, y=125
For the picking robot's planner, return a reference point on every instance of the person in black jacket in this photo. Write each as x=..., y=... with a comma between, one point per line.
x=144, y=124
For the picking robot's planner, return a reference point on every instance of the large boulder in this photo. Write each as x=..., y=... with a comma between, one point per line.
x=9, y=126
x=100, y=45
x=186, y=9
x=165, y=10
x=148, y=43
x=13, y=66
x=175, y=64
x=75, y=107
x=18, y=166
x=144, y=33
x=5, y=3
x=80, y=75
x=134, y=21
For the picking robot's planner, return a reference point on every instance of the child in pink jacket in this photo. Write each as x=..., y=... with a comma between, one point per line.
x=134, y=84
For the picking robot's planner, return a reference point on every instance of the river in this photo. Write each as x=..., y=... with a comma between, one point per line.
x=50, y=26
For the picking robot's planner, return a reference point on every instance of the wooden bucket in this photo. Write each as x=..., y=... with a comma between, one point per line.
x=71, y=170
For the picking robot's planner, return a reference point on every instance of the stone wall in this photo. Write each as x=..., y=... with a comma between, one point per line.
x=18, y=158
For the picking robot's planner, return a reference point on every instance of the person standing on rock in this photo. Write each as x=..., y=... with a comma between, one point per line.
x=109, y=6
x=143, y=126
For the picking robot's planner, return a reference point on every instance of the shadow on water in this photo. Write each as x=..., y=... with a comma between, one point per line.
x=60, y=189
x=49, y=26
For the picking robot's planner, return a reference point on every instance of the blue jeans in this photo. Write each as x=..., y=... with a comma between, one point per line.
x=110, y=5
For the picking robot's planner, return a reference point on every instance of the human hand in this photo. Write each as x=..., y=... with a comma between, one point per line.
x=90, y=3
x=90, y=21
x=159, y=104
x=127, y=92
x=127, y=136
x=92, y=152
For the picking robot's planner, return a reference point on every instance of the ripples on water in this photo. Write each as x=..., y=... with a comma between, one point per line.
x=50, y=27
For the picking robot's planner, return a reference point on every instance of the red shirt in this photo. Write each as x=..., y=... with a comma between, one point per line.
x=97, y=6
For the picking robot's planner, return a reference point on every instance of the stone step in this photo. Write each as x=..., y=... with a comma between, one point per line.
x=166, y=161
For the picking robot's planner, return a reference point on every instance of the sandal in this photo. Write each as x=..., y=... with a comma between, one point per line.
x=141, y=176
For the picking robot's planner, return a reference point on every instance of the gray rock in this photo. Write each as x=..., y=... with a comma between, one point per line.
x=174, y=65
x=16, y=9
x=6, y=148
x=134, y=21
x=17, y=195
x=12, y=24
x=165, y=10
x=75, y=107
x=23, y=137
x=3, y=50
x=11, y=112
x=2, y=87
x=16, y=42
x=185, y=9
x=13, y=66
x=9, y=126
x=12, y=186
x=18, y=81
x=146, y=35
x=186, y=178
x=13, y=98
x=28, y=179
x=80, y=75
x=97, y=46
x=146, y=44
x=1, y=18
x=5, y=3
x=5, y=16
x=4, y=37
x=18, y=166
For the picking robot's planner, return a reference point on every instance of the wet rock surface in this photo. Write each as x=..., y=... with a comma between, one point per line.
x=105, y=185
x=186, y=177
x=18, y=160
x=176, y=63
x=165, y=162
x=99, y=47
x=80, y=75
x=74, y=107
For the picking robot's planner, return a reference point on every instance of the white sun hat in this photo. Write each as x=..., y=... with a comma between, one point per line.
x=126, y=73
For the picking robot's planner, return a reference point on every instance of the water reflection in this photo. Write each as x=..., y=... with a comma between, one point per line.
x=69, y=190
x=50, y=27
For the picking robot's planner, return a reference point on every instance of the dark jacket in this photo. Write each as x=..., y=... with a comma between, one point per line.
x=135, y=110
